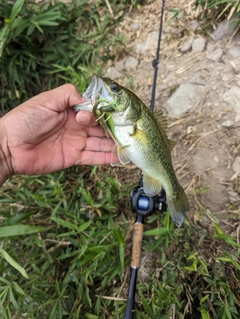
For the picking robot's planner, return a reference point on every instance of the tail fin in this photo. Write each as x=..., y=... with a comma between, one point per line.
x=178, y=207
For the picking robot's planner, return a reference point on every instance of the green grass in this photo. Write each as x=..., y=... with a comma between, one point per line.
x=43, y=46
x=219, y=9
x=79, y=253
x=76, y=261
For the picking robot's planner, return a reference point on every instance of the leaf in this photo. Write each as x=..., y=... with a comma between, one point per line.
x=167, y=220
x=226, y=259
x=121, y=255
x=13, y=263
x=228, y=239
x=146, y=306
x=226, y=310
x=84, y=226
x=119, y=236
x=16, y=230
x=156, y=231
x=13, y=299
x=19, y=26
x=64, y=223
x=203, y=299
x=218, y=229
x=30, y=29
x=5, y=281
x=16, y=9
x=205, y=314
x=17, y=288
x=47, y=18
x=38, y=27
x=3, y=38
x=90, y=316
x=87, y=196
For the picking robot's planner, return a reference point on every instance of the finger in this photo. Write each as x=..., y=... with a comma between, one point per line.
x=60, y=98
x=86, y=118
x=99, y=144
x=68, y=96
x=95, y=158
x=97, y=131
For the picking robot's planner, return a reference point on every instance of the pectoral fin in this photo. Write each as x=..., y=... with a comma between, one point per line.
x=151, y=186
x=122, y=154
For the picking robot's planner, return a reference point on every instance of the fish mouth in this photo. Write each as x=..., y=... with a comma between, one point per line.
x=95, y=90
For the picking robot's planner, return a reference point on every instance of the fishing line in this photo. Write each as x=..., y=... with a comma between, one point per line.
x=155, y=62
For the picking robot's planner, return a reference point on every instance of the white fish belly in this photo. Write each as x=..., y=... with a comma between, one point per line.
x=137, y=153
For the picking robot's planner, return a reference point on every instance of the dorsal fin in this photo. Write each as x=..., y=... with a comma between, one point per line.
x=162, y=120
x=163, y=125
x=171, y=144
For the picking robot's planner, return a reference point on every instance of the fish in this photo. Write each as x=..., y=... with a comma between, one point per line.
x=140, y=137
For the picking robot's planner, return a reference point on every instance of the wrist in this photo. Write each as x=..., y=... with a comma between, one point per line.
x=5, y=157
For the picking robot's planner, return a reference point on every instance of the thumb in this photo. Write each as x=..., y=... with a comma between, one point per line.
x=86, y=118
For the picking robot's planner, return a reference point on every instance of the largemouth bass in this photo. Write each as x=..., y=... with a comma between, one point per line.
x=140, y=137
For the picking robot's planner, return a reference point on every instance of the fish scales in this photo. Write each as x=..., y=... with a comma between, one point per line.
x=140, y=137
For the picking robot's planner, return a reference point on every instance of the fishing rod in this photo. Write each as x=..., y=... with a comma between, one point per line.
x=143, y=205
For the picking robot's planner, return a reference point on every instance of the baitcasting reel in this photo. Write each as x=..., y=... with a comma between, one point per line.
x=145, y=205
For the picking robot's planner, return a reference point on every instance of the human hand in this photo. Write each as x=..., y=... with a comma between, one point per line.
x=44, y=135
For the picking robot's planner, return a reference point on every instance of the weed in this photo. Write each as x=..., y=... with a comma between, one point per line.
x=43, y=46
x=79, y=251
x=218, y=9
x=76, y=262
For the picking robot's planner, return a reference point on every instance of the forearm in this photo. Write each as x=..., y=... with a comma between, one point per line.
x=5, y=158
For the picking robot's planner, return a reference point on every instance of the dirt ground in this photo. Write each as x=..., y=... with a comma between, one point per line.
x=205, y=149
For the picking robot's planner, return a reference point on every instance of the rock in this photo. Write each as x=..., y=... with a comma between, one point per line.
x=198, y=44
x=184, y=98
x=168, y=29
x=193, y=25
x=234, y=51
x=225, y=28
x=236, y=165
x=227, y=123
x=149, y=43
x=233, y=194
x=236, y=66
x=180, y=34
x=210, y=47
x=153, y=38
x=232, y=97
x=131, y=64
x=119, y=65
x=135, y=26
x=215, y=55
x=112, y=73
x=187, y=45
x=143, y=47
x=226, y=77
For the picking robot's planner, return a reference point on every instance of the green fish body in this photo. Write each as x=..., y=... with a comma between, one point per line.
x=141, y=138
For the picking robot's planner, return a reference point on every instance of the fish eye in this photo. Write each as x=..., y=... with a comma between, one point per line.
x=114, y=87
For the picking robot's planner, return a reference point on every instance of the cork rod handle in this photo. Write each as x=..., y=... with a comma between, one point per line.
x=137, y=244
